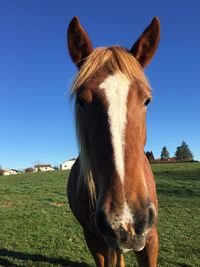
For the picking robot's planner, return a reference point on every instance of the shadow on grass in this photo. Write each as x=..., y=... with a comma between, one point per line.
x=4, y=262
x=36, y=258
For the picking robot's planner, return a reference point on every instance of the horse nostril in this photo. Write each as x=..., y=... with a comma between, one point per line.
x=152, y=215
x=140, y=222
x=145, y=220
x=123, y=234
x=139, y=229
x=102, y=223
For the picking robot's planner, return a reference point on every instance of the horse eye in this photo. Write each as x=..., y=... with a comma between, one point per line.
x=81, y=102
x=146, y=103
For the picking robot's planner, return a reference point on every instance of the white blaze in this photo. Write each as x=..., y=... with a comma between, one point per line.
x=126, y=215
x=124, y=219
x=116, y=88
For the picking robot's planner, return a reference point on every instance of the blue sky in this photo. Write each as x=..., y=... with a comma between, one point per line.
x=36, y=72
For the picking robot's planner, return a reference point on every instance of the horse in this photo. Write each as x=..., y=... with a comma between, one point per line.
x=111, y=188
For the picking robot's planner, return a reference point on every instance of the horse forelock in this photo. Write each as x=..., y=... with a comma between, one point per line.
x=109, y=60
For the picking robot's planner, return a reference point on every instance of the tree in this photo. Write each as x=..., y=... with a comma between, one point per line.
x=150, y=155
x=183, y=152
x=164, y=153
x=29, y=169
x=56, y=167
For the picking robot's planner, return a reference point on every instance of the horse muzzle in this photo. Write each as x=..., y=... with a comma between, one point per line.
x=127, y=236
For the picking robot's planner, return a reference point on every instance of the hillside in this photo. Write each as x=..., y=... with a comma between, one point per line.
x=37, y=228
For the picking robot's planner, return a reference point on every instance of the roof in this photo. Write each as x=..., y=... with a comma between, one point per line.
x=73, y=159
x=42, y=165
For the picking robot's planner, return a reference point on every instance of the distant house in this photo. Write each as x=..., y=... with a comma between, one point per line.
x=43, y=167
x=173, y=159
x=67, y=165
x=10, y=172
x=13, y=171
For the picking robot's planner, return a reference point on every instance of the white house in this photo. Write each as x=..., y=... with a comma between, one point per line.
x=44, y=167
x=11, y=171
x=67, y=165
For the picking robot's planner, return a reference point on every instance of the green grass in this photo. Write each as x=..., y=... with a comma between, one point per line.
x=38, y=229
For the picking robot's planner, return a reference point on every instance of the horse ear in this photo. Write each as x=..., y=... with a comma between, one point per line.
x=145, y=47
x=79, y=44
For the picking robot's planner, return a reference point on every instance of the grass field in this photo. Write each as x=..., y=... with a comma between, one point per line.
x=37, y=228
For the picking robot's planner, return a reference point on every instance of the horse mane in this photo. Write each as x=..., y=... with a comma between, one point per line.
x=110, y=60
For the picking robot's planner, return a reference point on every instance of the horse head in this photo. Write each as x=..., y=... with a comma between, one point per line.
x=111, y=96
